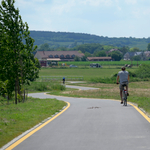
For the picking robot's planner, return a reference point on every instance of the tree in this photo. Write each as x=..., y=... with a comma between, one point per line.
x=77, y=58
x=17, y=63
x=44, y=47
x=83, y=58
x=148, y=47
x=124, y=49
x=136, y=58
x=87, y=54
x=117, y=56
x=134, y=49
x=100, y=54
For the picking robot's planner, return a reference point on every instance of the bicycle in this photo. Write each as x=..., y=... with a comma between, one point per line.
x=124, y=95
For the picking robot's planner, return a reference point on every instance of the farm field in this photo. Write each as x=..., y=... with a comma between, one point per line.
x=106, y=63
x=86, y=73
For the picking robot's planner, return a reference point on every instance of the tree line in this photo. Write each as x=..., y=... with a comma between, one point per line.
x=17, y=63
x=99, y=50
x=70, y=40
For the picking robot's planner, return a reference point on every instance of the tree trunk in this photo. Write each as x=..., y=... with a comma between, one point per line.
x=16, y=92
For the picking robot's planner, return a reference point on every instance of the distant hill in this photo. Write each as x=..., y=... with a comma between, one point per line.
x=68, y=39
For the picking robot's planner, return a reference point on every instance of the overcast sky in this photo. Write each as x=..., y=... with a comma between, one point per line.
x=112, y=18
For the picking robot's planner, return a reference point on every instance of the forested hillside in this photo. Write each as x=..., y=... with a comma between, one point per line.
x=70, y=40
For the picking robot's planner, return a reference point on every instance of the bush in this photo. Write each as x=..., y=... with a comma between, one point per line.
x=2, y=100
x=58, y=87
x=143, y=71
x=45, y=86
x=112, y=79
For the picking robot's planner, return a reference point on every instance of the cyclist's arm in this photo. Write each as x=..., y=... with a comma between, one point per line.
x=128, y=78
x=117, y=79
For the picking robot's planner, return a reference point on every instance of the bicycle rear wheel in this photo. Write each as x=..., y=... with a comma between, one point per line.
x=124, y=98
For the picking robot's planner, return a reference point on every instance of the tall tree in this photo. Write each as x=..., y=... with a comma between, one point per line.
x=117, y=56
x=148, y=47
x=134, y=49
x=17, y=62
x=100, y=54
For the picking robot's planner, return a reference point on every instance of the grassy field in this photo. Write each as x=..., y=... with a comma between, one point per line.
x=106, y=63
x=25, y=115
x=86, y=73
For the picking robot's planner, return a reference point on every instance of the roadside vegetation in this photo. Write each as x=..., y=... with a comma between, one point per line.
x=30, y=112
x=16, y=119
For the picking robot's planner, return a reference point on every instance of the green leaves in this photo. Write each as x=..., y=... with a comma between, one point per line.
x=17, y=64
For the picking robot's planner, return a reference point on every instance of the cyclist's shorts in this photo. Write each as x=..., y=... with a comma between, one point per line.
x=121, y=85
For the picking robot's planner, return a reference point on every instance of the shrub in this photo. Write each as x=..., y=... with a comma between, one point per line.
x=112, y=79
x=58, y=87
x=143, y=71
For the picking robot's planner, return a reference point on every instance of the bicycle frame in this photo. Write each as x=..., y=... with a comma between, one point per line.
x=124, y=96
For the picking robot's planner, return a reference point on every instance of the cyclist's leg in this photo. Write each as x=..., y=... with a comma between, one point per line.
x=121, y=95
x=127, y=89
x=121, y=89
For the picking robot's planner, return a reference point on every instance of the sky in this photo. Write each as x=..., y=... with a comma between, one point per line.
x=111, y=18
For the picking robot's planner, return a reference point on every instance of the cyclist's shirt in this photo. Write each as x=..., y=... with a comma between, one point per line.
x=123, y=76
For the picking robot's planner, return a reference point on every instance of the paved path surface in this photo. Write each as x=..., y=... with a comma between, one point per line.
x=91, y=124
x=80, y=87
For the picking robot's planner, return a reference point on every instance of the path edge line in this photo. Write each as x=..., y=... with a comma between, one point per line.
x=36, y=129
x=142, y=113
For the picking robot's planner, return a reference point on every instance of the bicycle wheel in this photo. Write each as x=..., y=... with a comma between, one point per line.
x=124, y=98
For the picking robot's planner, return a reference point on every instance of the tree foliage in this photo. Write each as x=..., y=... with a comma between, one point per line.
x=148, y=47
x=143, y=71
x=134, y=49
x=77, y=58
x=70, y=40
x=100, y=54
x=117, y=56
x=17, y=63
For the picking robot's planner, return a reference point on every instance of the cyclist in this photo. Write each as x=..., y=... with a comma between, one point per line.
x=124, y=80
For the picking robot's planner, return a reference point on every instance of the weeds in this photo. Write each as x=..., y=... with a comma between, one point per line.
x=44, y=86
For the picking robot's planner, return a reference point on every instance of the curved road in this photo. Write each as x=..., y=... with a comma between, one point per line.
x=91, y=124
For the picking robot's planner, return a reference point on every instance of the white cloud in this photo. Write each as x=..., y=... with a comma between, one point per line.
x=96, y=2
x=38, y=0
x=131, y=2
x=60, y=8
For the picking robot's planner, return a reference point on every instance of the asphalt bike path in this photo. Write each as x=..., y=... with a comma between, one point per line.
x=90, y=124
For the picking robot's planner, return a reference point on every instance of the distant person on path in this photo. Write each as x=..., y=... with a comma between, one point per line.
x=63, y=80
x=124, y=79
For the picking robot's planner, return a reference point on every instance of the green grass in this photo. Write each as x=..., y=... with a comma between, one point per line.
x=86, y=73
x=108, y=63
x=44, y=86
x=16, y=119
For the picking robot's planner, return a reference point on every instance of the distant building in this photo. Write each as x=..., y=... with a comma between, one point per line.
x=114, y=50
x=147, y=54
x=49, y=57
x=99, y=58
x=129, y=55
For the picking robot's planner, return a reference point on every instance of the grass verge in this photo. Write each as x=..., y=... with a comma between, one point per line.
x=16, y=119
